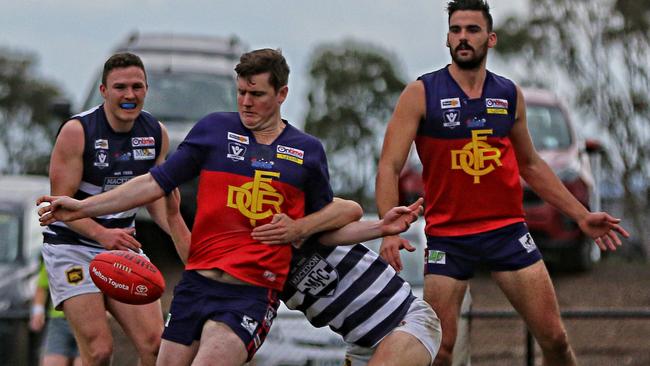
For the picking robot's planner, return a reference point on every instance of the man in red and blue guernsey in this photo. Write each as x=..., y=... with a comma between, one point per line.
x=252, y=165
x=469, y=127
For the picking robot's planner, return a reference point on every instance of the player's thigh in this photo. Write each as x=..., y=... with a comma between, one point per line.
x=445, y=295
x=531, y=293
x=86, y=316
x=220, y=345
x=142, y=323
x=391, y=351
x=176, y=354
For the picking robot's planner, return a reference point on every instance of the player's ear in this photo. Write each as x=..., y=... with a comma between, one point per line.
x=492, y=39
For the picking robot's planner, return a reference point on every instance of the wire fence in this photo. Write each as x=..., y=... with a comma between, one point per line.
x=581, y=314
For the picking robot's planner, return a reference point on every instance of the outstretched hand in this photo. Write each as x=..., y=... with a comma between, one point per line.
x=389, y=250
x=61, y=208
x=399, y=219
x=603, y=229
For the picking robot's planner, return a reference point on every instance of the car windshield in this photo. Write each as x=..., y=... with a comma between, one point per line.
x=9, y=236
x=548, y=127
x=180, y=97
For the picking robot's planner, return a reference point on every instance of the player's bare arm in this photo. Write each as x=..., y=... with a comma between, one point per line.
x=136, y=192
x=157, y=208
x=178, y=230
x=66, y=169
x=396, y=221
x=400, y=133
x=284, y=230
x=600, y=226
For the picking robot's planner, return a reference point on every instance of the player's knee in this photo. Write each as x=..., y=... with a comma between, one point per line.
x=100, y=353
x=444, y=355
x=557, y=342
x=150, y=344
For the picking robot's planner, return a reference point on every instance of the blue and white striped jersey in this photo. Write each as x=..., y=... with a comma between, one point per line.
x=110, y=158
x=348, y=288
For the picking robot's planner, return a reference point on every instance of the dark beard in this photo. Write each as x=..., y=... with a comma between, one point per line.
x=471, y=64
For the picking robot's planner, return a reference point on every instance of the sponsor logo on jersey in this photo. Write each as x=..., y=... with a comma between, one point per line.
x=436, y=257
x=269, y=276
x=122, y=156
x=256, y=200
x=528, y=243
x=261, y=164
x=114, y=182
x=74, y=275
x=101, y=159
x=101, y=144
x=496, y=103
x=315, y=277
x=144, y=154
x=249, y=324
x=497, y=111
x=496, y=106
x=236, y=151
x=238, y=138
x=143, y=141
x=477, y=158
x=290, y=153
x=451, y=118
x=475, y=122
x=449, y=103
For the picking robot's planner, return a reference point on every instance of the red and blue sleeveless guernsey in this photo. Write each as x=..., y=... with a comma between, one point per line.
x=242, y=184
x=470, y=170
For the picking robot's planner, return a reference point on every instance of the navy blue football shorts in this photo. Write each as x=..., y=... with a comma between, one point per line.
x=505, y=249
x=248, y=310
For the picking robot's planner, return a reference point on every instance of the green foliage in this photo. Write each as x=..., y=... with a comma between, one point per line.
x=27, y=126
x=601, y=48
x=354, y=87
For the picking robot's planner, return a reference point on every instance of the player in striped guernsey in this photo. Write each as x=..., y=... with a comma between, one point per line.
x=346, y=286
x=96, y=151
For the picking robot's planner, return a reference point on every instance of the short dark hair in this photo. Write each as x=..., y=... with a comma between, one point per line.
x=122, y=60
x=264, y=60
x=477, y=5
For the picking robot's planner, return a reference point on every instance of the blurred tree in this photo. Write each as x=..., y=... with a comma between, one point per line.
x=354, y=87
x=27, y=124
x=601, y=48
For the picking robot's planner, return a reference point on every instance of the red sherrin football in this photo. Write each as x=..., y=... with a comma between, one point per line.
x=127, y=277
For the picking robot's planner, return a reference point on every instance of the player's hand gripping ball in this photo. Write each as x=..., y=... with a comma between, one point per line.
x=127, y=277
